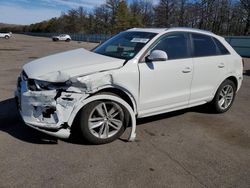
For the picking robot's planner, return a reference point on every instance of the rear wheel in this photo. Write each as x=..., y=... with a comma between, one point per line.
x=224, y=97
x=103, y=121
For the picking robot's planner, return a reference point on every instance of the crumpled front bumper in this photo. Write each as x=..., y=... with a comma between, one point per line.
x=53, y=111
x=46, y=111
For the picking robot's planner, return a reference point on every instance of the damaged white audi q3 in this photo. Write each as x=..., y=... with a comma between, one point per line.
x=137, y=73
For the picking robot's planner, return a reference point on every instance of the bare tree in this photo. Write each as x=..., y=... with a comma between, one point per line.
x=182, y=8
x=112, y=5
x=225, y=17
x=147, y=11
x=246, y=7
x=101, y=20
x=136, y=14
x=163, y=13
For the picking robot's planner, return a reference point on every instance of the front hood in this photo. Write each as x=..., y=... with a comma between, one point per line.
x=62, y=66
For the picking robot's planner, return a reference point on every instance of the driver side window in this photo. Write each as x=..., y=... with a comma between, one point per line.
x=175, y=45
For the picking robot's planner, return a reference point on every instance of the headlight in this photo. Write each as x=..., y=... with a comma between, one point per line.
x=38, y=85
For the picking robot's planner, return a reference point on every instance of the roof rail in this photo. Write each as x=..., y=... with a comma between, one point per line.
x=192, y=29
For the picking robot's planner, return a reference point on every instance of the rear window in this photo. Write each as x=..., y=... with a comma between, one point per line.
x=203, y=45
x=221, y=48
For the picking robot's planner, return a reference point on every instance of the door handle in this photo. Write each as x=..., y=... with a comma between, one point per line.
x=186, y=70
x=221, y=65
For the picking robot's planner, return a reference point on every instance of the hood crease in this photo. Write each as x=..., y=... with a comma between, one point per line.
x=62, y=66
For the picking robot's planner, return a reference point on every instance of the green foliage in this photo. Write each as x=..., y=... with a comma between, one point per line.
x=122, y=17
x=136, y=19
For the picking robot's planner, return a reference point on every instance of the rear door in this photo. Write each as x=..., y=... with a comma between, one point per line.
x=210, y=67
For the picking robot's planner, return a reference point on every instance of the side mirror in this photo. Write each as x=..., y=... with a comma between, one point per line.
x=157, y=55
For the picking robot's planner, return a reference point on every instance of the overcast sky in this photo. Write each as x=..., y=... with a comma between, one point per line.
x=32, y=11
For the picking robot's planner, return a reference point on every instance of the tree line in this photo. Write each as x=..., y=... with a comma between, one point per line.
x=224, y=17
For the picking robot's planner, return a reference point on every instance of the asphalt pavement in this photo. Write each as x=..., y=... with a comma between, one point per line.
x=186, y=148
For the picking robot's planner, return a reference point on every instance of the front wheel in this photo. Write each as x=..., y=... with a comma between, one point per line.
x=224, y=97
x=103, y=121
x=6, y=37
x=67, y=40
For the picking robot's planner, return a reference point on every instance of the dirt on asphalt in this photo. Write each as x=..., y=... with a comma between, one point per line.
x=187, y=148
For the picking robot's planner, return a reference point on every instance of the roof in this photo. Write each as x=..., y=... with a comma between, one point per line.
x=152, y=30
x=162, y=30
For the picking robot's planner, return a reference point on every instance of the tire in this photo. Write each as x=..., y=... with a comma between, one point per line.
x=67, y=40
x=55, y=39
x=227, y=90
x=6, y=37
x=95, y=125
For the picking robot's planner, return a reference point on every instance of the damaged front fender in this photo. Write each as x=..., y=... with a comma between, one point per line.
x=53, y=110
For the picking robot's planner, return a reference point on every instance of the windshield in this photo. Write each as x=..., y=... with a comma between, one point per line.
x=125, y=45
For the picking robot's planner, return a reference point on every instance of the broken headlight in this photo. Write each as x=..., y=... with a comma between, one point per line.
x=38, y=85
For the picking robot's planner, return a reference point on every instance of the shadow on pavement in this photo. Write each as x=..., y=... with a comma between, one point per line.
x=204, y=109
x=11, y=123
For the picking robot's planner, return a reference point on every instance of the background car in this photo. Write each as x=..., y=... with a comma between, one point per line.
x=5, y=35
x=63, y=37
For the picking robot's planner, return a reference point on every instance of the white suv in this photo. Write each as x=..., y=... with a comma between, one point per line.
x=5, y=35
x=137, y=73
x=62, y=37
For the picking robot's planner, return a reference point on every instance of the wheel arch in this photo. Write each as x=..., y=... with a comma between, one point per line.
x=215, y=102
x=91, y=98
x=125, y=95
x=120, y=92
x=233, y=79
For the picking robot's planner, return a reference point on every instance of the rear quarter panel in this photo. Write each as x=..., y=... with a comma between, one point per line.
x=235, y=65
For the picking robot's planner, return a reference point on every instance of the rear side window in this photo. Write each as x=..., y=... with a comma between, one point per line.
x=175, y=45
x=221, y=48
x=203, y=45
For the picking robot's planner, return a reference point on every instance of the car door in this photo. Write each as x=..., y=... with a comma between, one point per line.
x=62, y=37
x=165, y=85
x=210, y=68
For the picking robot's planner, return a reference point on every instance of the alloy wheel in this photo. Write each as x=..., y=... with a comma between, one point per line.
x=226, y=97
x=105, y=120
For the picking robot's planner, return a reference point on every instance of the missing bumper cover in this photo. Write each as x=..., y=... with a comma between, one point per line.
x=48, y=111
